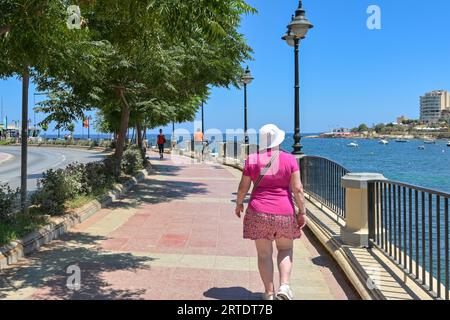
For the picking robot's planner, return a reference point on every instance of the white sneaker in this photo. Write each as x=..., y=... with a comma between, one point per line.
x=268, y=296
x=285, y=293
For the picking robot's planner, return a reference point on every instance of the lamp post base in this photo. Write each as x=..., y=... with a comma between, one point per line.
x=297, y=151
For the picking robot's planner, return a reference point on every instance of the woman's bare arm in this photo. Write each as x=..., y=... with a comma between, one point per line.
x=297, y=190
x=244, y=187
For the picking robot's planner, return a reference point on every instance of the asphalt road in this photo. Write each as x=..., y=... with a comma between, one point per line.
x=40, y=160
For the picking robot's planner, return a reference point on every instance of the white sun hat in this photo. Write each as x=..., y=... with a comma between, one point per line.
x=270, y=136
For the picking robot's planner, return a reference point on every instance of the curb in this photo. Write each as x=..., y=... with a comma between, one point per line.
x=351, y=270
x=101, y=149
x=16, y=250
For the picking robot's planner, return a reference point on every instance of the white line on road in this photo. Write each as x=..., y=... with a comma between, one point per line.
x=61, y=162
x=8, y=157
x=63, y=157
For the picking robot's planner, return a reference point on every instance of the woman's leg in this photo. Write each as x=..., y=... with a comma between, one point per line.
x=265, y=263
x=285, y=257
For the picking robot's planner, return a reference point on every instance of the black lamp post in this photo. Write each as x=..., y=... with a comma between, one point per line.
x=89, y=127
x=247, y=78
x=297, y=30
x=203, y=118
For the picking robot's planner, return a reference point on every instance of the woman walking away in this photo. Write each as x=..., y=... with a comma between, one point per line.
x=161, y=142
x=271, y=215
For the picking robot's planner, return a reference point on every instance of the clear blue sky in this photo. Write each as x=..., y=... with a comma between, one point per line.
x=349, y=74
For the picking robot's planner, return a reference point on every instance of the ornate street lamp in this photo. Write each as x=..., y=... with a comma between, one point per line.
x=247, y=78
x=297, y=30
x=203, y=117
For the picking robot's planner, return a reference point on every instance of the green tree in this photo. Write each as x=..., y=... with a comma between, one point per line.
x=71, y=129
x=160, y=66
x=379, y=127
x=36, y=44
x=363, y=128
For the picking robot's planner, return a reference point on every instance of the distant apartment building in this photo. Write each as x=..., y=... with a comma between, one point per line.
x=432, y=104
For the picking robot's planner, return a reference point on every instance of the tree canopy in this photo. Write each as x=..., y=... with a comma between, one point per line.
x=150, y=62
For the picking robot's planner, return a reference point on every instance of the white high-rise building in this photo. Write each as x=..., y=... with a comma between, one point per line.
x=432, y=104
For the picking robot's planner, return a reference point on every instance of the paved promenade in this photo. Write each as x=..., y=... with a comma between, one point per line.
x=174, y=236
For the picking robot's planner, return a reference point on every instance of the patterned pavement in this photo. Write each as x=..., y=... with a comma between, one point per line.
x=173, y=237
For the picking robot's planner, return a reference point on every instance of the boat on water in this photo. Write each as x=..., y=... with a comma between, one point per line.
x=430, y=142
x=448, y=144
x=353, y=145
x=401, y=140
x=421, y=148
x=385, y=142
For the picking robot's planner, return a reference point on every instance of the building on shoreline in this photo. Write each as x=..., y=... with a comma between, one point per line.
x=432, y=104
x=13, y=131
x=338, y=133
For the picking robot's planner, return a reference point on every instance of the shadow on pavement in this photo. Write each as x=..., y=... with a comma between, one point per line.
x=324, y=260
x=156, y=191
x=47, y=270
x=165, y=170
x=233, y=293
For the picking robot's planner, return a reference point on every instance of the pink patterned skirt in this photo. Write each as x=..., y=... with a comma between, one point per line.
x=258, y=226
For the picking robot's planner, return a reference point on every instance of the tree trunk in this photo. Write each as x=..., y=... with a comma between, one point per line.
x=4, y=30
x=124, y=120
x=144, y=139
x=139, y=134
x=24, y=136
x=139, y=138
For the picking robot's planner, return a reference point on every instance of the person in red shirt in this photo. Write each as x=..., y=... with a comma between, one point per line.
x=161, y=141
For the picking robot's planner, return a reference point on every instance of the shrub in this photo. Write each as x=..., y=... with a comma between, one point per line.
x=97, y=177
x=105, y=143
x=58, y=186
x=8, y=200
x=132, y=160
x=110, y=164
x=7, y=141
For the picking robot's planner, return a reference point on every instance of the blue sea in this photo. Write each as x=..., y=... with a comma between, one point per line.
x=403, y=162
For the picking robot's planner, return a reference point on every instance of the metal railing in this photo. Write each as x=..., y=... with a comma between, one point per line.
x=321, y=179
x=411, y=225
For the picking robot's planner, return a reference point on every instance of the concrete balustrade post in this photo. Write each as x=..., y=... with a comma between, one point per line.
x=222, y=151
x=188, y=147
x=356, y=231
x=245, y=149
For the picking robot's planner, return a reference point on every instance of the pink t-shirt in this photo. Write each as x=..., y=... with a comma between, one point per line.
x=273, y=194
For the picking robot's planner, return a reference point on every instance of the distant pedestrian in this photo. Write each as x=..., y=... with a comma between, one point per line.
x=271, y=214
x=198, y=144
x=161, y=141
